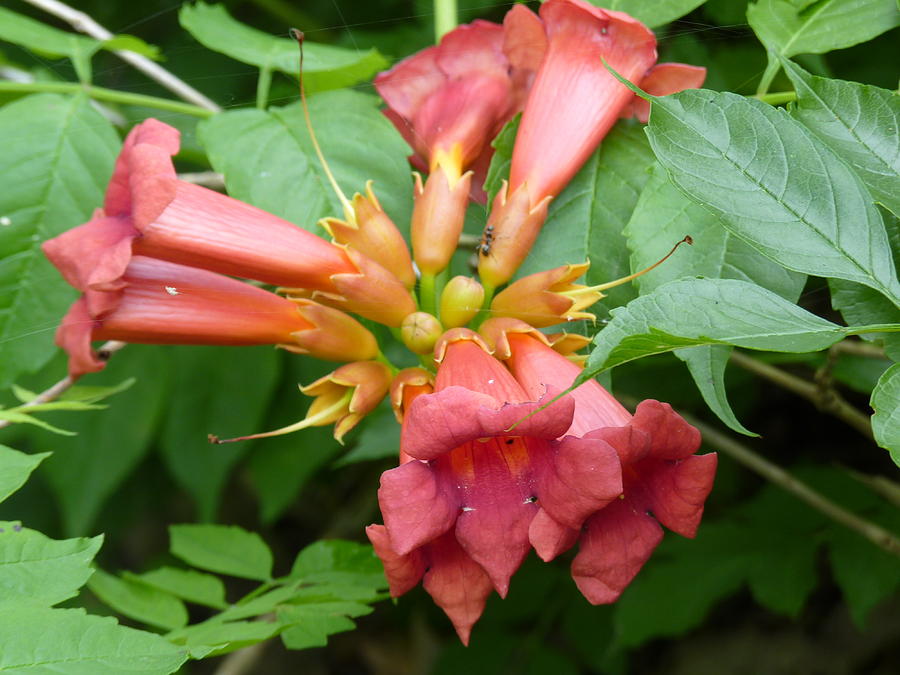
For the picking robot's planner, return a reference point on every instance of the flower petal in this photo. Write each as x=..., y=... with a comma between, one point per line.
x=670, y=436
x=457, y=584
x=675, y=491
x=437, y=423
x=664, y=79
x=403, y=572
x=74, y=335
x=497, y=502
x=616, y=544
x=549, y=538
x=581, y=477
x=415, y=506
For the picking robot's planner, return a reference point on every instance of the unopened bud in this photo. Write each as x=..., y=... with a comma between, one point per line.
x=374, y=234
x=437, y=220
x=461, y=301
x=420, y=331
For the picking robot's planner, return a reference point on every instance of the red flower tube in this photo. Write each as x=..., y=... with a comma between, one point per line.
x=165, y=303
x=149, y=211
x=463, y=510
x=448, y=102
x=664, y=482
x=572, y=104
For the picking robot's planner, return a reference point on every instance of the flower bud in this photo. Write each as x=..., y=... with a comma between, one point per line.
x=420, y=331
x=347, y=395
x=370, y=291
x=547, y=298
x=461, y=301
x=336, y=336
x=437, y=220
x=514, y=223
x=374, y=234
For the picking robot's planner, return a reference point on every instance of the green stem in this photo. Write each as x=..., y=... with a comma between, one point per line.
x=263, y=84
x=771, y=71
x=111, y=95
x=426, y=294
x=874, y=328
x=383, y=359
x=778, y=97
x=485, y=312
x=445, y=18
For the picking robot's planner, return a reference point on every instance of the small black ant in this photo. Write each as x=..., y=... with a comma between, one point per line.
x=484, y=247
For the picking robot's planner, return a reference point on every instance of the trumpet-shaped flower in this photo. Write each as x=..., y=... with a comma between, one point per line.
x=450, y=100
x=571, y=105
x=471, y=477
x=160, y=302
x=148, y=211
x=664, y=482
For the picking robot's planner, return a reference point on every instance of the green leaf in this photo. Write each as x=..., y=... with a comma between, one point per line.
x=87, y=468
x=15, y=468
x=866, y=575
x=774, y=185
x=324, y=66
x=36, y=640
x=858, y=304
x=226, y=636
x=58, y=154
x=859, y=122
x=586, y=221
x=208, y=398
x=663, y=216
x=139, y=601
x=224, y=549
x=281, y=466
x=379, y=439
x=17, y=417
x=660, y=604
x=692, y=312
x=256, y=605
x=338, y=561
x=197, y=587
x=886, y=420
x=49, y=41
x=94, y=393
x=37, y=570
x=503, y=145
x=310, y=625
x=789, y=27
x=653, y=13
x=267, y=158
x=131, y=43
x=706, y=364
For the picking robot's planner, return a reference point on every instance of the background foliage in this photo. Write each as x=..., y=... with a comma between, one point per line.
x=793, y=212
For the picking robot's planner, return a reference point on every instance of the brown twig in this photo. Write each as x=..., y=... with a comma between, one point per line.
x=824, y=397
x=744, y=455
x=885, y=487
x=859, y=348
x=106, y=350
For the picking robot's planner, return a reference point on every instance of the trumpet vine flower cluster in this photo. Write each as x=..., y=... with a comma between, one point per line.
x=488, y=467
